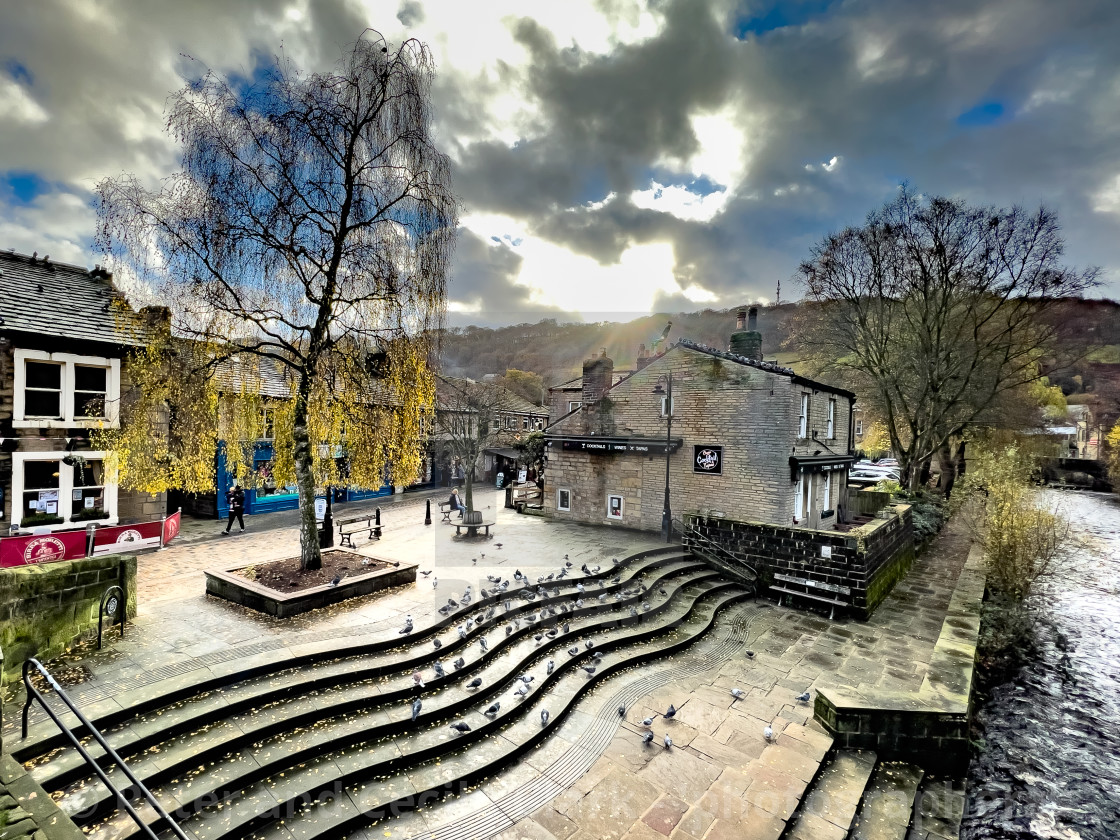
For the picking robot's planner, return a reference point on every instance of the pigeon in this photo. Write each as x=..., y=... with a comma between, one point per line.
x=647, y=721
x=580, y=588
x=517, y=575
x=509, y=629
x=616, y=579
x=750, y=654
x=614, y=561
x=645, y=606
x=552, y=633
x=522, y=692
x=459, y=663
x=647, y=738
x=482, y=643
x=483, y=593
x=526, y=678
x=407, y=626
x=589, y=644
x=451, y=602
x=438, y=668
x=425, y=574
x=668, y=742
x=803, y=698
x=573, y=651
x=496, y=545
x=671, y=712
x=596, y=569
x=493, y=709
x=435, y=582
x=470, y=624
x=416, y=708
x=602, y=597
x=738, y=694
x=662, y=592
x=590, y=669
x=462, y=632
x=567, y=627
x=584, y=569
x=437, y=644
x=475, y=683
x=461, y=726
x=418, y=678
x=633, y=612
x=444, y=610
x=597, y=655
x=544, y=717
x=336, y=580
x=768, y=733
x=548, y=668
x=579, y=603
x=622, y=711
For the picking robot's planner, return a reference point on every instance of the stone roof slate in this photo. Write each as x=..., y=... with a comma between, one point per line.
x=55, y=299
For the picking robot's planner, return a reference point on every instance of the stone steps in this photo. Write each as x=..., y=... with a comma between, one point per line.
x=381, y=708
x=829, y=806
x=421, y=763
x=127, y=707
x=887, y=807
x=938, y=809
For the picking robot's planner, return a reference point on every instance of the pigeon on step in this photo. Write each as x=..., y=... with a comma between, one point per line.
x=461, y=727
x=544, y=717
x=671, y=712
x=415, y=708
x=647, y=738
x=493, y=709
x=738, y=694
x=475, y=683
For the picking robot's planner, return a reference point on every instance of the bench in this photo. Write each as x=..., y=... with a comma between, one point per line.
x=472, y=521
x=806, y=582
x=446, y=509
x=352, y=525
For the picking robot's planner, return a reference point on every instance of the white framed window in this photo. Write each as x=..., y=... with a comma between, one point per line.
x=831, y=419
x=573, y=405
x=826, y=502
x=666, y=408
x=614, y=506
x=803, y=418
x=802, y=499
x=524, y=423
x=859, y=427
x=46, y=488
x=60, y=390
x=511, y=423
x=563, y=498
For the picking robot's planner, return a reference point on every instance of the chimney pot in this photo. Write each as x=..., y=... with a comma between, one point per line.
x=741, y=319
x=752, y=319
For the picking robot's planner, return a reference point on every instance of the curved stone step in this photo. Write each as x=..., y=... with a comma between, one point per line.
x=44, y=737
x=499, y=668
x=366, y=786
x=185, y=714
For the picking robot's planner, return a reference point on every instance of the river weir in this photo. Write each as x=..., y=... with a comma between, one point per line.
x=1050, y=763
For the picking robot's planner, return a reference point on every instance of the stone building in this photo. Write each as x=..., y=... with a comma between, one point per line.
x=749, y=441
x=63, y=333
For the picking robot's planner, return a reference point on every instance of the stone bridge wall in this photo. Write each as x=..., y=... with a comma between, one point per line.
x=853, y=570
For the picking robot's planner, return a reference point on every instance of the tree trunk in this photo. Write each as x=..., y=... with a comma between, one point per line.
x=948, y=468
x=961, y=464
x=310, y=558
x=923, y=473
x=468, y=487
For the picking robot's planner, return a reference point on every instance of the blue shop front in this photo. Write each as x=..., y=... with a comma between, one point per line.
x=268, y=497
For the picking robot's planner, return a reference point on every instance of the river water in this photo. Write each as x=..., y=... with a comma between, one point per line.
x=1050, y=768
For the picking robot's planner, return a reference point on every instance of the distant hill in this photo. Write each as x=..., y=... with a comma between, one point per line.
x=557, y=351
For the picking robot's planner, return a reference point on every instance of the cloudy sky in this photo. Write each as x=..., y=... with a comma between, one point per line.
x=615, y=157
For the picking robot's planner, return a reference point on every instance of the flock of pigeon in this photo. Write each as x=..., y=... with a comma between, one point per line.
x=523, y=587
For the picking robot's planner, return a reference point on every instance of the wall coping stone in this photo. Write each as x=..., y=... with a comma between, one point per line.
x=945, y=692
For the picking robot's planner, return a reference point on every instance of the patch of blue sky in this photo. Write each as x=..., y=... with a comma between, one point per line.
x=18, y=71
x=22, y=187
x=698, y=186
x=758, y=18
x=986, y=113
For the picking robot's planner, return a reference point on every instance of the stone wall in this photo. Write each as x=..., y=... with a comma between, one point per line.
x=751, y=413
x=854, y=570
x=27, y=811
x=45, y=608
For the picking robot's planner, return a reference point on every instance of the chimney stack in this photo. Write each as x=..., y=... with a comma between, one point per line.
x=643, y=357
x=747, y=342
x=597, y=375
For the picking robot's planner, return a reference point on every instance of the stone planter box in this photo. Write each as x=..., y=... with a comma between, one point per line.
x=232, y=587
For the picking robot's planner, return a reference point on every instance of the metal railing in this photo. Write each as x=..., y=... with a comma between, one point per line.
x=711, y=550
x=117, y=609
x=33, y=693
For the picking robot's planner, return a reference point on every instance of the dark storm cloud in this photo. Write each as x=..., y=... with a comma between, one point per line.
x=410, y=13
x=1008, y=101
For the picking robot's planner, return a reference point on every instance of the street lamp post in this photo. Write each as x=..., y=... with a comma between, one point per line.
x=667, y=392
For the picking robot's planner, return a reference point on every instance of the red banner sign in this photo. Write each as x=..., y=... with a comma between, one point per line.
x=45, y=548
x=71, y=545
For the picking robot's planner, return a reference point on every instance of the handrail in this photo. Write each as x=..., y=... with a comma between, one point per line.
x=118, y=612
x=34, y=694
x=733, y=565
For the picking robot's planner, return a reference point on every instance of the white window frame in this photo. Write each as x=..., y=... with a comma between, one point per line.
x=798, y=492
x=672, y=408
x=65, y=488
x=66, y=361
x=859, y=427
x=827, y=491
x=621, y=505
x=831, y=419
x=573, y=405
x=560, y=491
x=803, y=419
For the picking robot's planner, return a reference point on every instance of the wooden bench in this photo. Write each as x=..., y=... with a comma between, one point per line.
x=352, y=525
x=472, y=521
x=446, y=509
x=822, y=598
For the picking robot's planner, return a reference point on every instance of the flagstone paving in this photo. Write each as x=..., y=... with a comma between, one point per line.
x=720, y=779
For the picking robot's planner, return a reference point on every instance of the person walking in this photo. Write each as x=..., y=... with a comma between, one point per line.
x=235, y=498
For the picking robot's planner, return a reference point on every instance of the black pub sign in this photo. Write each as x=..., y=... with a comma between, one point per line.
x=707, y=459
x=614, y=447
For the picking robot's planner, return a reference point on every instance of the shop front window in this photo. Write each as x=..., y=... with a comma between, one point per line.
x=40, y=493
x=88, y=493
